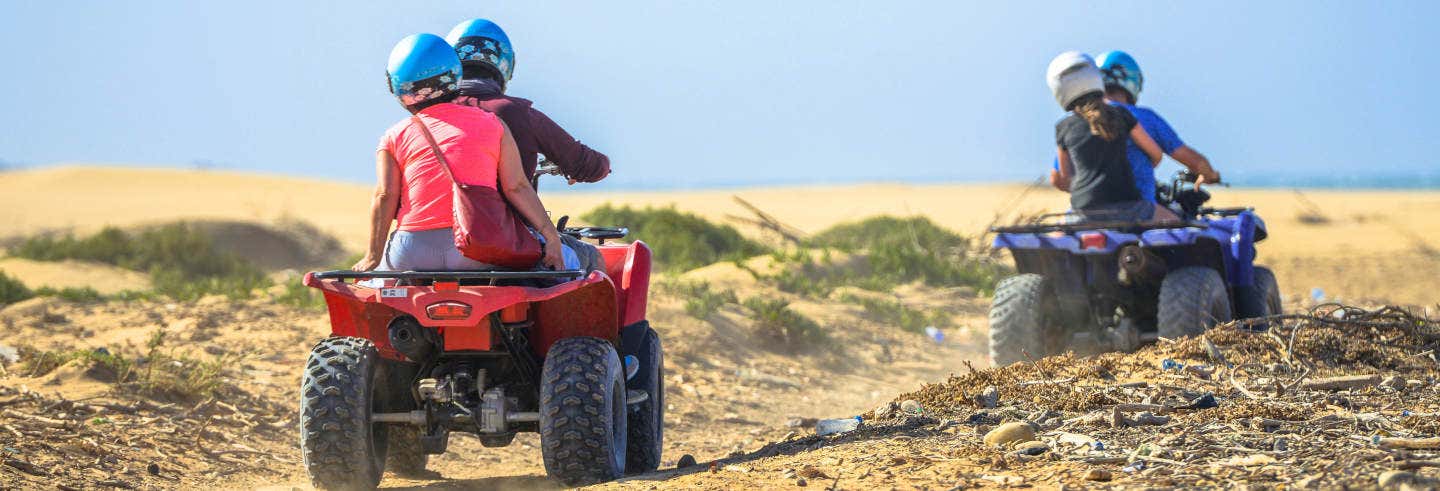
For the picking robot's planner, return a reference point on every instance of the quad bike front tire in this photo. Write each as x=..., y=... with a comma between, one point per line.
x=1192, y=299
x=341, y=448
x=1017, y=319
x=406, y=455
x=582, y=412
x=647, y=418
x=1263, y=295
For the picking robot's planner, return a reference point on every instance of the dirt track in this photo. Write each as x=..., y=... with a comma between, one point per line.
x=727, y=395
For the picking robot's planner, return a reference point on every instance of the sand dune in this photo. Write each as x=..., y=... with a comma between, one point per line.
x=1383, y=241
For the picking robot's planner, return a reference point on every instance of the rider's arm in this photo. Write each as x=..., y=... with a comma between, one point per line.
x=1064, y=170
x=1196, y=162
x=1146, y=144
x=577, y=161
x=382, y=209
x=520, y=195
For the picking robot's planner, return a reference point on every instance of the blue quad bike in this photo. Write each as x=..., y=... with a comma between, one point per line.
x=1098, y=285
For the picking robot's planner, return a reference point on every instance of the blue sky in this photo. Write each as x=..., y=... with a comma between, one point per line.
x=689, y=93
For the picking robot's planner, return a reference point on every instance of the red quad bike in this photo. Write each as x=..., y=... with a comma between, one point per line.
x=413, y=356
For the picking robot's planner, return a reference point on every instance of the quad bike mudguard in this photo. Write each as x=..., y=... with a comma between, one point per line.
x=1235, y=234
x=594, y=305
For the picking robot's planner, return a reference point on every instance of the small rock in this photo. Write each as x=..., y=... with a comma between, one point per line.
x=1205, y=401
x=1009, y=433
x=911, y=407
x=1101, y=475
x=989, y=398
x=1406, y=480
x=1032, y=448
x=153, y=469
x=686, y=460
x=801, y=482
x=885, y=410
x=1148, y=418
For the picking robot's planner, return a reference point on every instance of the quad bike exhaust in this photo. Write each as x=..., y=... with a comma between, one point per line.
x=413, y=340
x=1140, y=267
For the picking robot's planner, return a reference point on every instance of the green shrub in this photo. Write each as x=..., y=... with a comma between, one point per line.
x=895, y=312
x=778, y=323
x=298, y=295
x=902, y=250
x=700, y=301
x=182, y=261
x=77, y=295
x=12, y=290
x=159, y=373
x=681, y=241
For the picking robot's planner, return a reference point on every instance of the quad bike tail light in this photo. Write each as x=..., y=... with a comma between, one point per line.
x=1092, y=240
x=448, y=310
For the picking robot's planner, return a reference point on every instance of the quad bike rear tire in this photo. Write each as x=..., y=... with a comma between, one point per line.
x=582, y=412
x=647, y=418
x=1018, y=320
x=406, y=456
x=341, y=448
x=1192, y=299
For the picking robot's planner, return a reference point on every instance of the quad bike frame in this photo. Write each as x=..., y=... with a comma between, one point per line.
x=488, y=353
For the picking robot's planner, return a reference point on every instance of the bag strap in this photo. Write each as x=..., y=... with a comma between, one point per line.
x=434, y=147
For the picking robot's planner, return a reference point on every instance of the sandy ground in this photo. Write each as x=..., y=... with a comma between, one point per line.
x=1386, y=244
x=729, y=394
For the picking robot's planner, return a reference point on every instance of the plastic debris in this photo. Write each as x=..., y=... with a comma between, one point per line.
x=934, y=333
x=832, y=426
x=1317, y=294
x=911, y=407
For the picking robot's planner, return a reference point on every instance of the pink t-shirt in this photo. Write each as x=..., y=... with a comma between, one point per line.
x=469, y=137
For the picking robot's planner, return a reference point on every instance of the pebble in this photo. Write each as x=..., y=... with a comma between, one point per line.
x=911, y=407
x=989, y=398
x=1098, y=475
x=1032, y=448
x=885, y=410
x=1008, y=433
x=1406, y=480
x=801, y=482
x=686, y=460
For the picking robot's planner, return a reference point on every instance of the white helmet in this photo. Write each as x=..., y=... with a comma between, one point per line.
x=1071, y=75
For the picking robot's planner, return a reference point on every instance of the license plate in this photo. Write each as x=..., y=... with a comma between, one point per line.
x=394, y=293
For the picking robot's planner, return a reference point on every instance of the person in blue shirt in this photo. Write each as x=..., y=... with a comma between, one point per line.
x=1123, y=82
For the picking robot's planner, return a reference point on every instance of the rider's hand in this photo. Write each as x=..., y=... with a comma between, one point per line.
x=366, y=263
x=554, y=255
x=1060, y=182
x=573, y=181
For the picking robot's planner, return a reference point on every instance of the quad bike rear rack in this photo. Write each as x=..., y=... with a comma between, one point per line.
x=447, y=275
x=1035, y=228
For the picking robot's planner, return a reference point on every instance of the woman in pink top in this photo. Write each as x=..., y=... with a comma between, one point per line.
x=413, y=188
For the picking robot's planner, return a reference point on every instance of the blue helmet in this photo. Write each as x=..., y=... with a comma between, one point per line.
x=422, y=67
x=1122, y=70
x=479, y=41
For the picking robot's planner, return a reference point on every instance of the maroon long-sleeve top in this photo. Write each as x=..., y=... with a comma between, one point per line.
x=535, y=133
